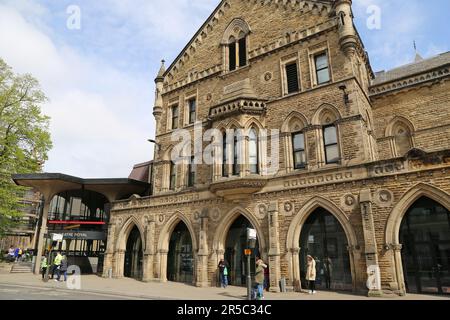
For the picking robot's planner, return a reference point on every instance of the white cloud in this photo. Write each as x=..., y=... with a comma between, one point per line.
x=101, y=117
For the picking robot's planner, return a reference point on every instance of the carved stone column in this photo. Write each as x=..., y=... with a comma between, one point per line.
x=108, y=259
x=397, y=248
x=119, y=264
x=202, y=256
x=370, y=244
x=294, y=272
x=274, y=248
x=358, y=284
x=162, y=254
x=149, y=253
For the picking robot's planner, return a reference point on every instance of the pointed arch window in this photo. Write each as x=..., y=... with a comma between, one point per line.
x=172, y=176
x=253, y=151
x=298, y=148
x=236, y=155
x=235, y=44
x=224, y=156
x=402, y=139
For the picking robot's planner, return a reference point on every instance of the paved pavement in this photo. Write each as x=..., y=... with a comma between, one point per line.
x=15, y=286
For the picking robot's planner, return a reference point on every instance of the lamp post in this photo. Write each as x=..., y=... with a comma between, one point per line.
x=251, y=243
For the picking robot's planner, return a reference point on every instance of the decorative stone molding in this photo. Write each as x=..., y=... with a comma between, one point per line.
x=414, y=80
x=287, y=208
x=247, y=106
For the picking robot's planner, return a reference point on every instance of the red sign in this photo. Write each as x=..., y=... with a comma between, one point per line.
x=248, y=252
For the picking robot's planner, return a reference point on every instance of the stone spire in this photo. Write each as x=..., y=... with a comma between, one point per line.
x=162, y=70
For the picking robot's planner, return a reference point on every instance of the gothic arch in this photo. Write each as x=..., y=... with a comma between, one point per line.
x=238, y=28
x=125, y=233
x=170, y=225
x=253, y=123
x=224, y=226
x=294, y=116
x=293, y=236
x=234, y=124
x=323, y=111
x=415, y=193
x=398, y=120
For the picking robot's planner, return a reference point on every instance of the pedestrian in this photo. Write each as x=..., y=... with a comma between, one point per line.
x=266, y=278
x=56, y=265
x=311, y=274
x=44, y=266
x=259, y=277
x=11, y=254
x=328, y=266
x=19, y=255
x=223, y=273
x=16, y=254
x=63, y=268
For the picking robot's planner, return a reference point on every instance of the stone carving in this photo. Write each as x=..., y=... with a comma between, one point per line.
x=383, y=198
x=389, y=168
x=318, y=179
x=349, y=202
x=161, y=218
x=197, y=216
x=215, y=214
x=261, y=211
x=267, y=76
x=288, y=208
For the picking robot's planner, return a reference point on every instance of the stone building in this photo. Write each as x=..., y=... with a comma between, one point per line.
x=361, y=181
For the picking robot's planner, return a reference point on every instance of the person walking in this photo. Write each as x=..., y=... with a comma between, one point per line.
x=311, y=274
x=44, y=266
x=16, y=254
x=259, y=277
x=328, y=266
x=11, y=255
x=63, y=268
x=223, y=273
x=56, y=265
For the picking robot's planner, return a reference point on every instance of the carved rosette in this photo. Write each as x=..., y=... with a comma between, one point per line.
x=349, y=202
x=384, y=198
x=261, y=210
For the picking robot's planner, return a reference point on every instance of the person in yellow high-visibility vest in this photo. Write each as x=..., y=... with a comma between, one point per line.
x=56, y=264
x=44, y=266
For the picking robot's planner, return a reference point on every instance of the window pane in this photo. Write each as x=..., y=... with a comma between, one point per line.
x=323, y=76
x=232, y=56
x=299, y=141
x=299, y=159
x=242, y=52
x=330, y=135
x=332, y=153
x=321, y=61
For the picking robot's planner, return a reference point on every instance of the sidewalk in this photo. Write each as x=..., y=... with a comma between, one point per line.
x=177, y=291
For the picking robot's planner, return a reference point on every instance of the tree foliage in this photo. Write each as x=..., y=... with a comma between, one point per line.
x=24, y=137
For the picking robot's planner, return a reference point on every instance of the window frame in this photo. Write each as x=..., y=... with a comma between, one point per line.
x=326, y=146
x=172, y=176
x=317, y=70
x=295, y=151
x=256, y=141
x=192, y=115
x=175, y=121
x=192, y=173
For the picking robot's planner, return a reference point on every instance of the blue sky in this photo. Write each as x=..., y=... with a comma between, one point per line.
x=100, y=78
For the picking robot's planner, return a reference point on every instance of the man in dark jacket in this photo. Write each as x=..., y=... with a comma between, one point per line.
x=63, y=268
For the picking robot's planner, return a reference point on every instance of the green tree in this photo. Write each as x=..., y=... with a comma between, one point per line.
x=24, y=138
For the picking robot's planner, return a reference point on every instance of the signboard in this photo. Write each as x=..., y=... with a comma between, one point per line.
x=81, y=235
x=248, y=252
x=57, y=237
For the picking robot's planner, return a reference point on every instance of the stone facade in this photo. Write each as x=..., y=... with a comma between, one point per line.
x=393, y=145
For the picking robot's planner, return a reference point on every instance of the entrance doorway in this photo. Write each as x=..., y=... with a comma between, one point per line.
x=425, y=235
x=180, y=263
x=323, y=238
x=236, y=243
x=134, y=255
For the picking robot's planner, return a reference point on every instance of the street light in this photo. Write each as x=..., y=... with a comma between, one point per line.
x=154, y=142
x=251, y=244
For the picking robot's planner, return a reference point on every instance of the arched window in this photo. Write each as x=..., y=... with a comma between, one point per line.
x=327, y=117
x=235, y=42
x=253, y=151
x=294, y=132
x=402, y=138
